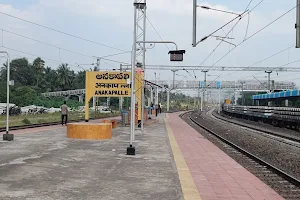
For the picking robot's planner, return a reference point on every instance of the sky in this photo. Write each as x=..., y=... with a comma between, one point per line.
x=111, y=23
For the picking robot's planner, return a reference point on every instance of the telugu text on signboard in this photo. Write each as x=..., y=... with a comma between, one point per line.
x=107, y=84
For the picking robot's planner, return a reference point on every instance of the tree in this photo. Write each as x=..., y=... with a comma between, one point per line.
x=38, y=65
x=23, y=96
x=80, y=80
x=21, y=72
x=64, y=77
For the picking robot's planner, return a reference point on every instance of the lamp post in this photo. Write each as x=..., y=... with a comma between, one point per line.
x=7, y=136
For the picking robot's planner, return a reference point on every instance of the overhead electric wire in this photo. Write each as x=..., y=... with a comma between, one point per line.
x=71, y=51
x=254, y=34
x=272, y=55
x=219, y=43
x=43, y=57
x=61, y=32
x=249, y=4
x=231, y=30
x=165, y=43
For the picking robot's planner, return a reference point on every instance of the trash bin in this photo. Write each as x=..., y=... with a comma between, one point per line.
x=125, y=118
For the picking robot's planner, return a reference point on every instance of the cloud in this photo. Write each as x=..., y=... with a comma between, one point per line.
x=111, y=22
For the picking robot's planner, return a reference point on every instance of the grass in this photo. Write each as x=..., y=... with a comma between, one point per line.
x=47, y=118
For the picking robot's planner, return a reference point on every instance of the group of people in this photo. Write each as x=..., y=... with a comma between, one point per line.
x=157, y=108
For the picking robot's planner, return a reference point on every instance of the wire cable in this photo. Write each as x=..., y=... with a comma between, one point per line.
x=231, y=30
x=166, y=44
x=71, y=51
x=35, y=55
x=251, y=36
x=272, y=55
x=61, y=32
x=248, y=5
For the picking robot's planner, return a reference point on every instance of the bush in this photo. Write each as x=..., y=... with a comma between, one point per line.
x=26, y=121
x=40, y=121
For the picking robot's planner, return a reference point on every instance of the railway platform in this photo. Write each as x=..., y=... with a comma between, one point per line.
x=42, y=163
x=173, y=161
x=215, y=175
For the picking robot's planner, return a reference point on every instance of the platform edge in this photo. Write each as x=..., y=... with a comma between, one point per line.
x=189, y=189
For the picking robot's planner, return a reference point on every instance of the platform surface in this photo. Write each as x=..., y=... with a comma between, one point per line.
x=172, y=162
x=215, y=174
x=42, y=164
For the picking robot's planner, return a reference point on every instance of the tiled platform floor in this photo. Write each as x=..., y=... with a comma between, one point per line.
x=216, y=175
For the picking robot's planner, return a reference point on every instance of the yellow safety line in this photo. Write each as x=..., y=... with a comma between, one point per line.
x=189, y=189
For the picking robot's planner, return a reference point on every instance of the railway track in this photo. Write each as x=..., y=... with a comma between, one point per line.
x=291, y=138
x=52, y=124
x=11, y=128
x=292, y=141
x=283, y=183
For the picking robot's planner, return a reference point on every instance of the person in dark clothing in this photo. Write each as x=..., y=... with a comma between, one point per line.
x=64, y=113
x=159, y=109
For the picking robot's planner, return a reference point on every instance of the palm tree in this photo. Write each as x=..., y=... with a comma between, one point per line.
x=80, y=79
x=95, y=69
x=38, y=65
x=64, y=76
x=50, y=78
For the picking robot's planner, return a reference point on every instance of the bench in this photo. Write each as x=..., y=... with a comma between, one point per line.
x=89, y=131
x=112, y=121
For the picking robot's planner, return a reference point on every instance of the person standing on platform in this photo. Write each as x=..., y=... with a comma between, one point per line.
x=64, y=113
x=159, y=108
x=156, y=110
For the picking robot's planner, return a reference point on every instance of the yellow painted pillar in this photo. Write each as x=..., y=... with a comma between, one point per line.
x=138, y=90
x=87, y=98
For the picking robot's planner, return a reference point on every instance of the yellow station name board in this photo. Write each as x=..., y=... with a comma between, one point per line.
x=106, y=84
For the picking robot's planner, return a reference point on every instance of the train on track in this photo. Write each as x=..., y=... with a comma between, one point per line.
x=277, y=116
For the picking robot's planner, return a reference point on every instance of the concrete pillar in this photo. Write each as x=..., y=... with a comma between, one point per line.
x=151, y=94
x=168, y=100
x=149, y=101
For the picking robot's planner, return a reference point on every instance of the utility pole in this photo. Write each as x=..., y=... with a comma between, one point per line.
x=7, y=136
x=143, y=67
x=121, y=98
x=219, y=110
x=156, y=90
x=243, y=97
x=269, y=84
x=151, y=94
x=297, y=25
x=168, y=99
x=138, y=32
x=269, y=80
x=204, y=91
x=174, y=71
x=198, y=97
x=194, y=23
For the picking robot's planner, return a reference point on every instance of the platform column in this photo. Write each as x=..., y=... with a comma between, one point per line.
x=168, y=100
